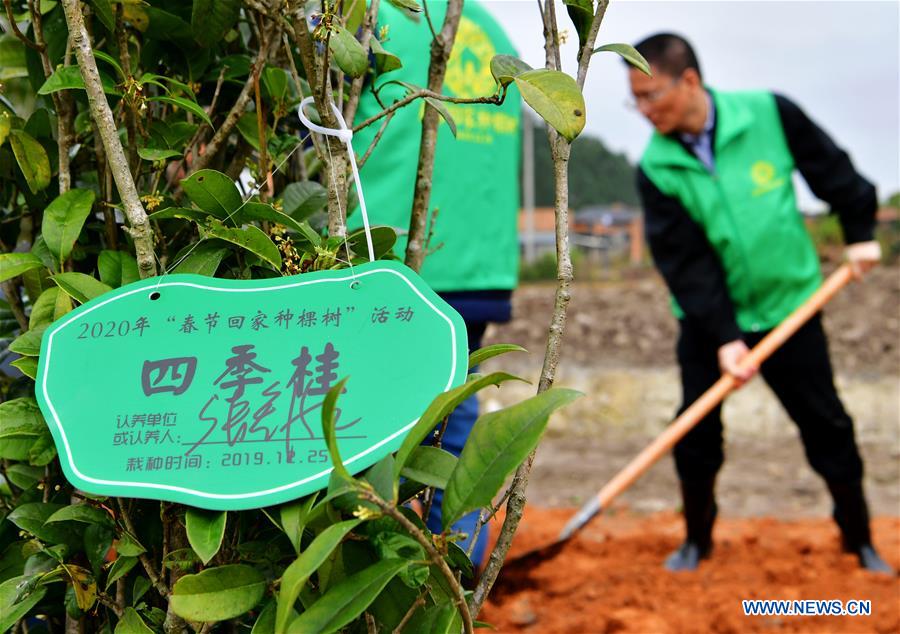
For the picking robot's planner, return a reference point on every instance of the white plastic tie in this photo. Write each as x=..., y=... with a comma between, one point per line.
x=345, y=135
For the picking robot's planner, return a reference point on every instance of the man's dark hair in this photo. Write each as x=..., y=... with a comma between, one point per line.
x=670, y=53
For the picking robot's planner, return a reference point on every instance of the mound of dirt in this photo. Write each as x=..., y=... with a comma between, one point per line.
x=609, y=577
x=628, y=322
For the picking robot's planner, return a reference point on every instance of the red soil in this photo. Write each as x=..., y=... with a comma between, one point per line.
x=609, y=577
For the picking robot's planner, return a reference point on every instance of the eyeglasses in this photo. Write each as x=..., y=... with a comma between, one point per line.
x=651, y=97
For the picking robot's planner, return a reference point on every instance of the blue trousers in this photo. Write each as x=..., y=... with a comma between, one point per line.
x=458, y=427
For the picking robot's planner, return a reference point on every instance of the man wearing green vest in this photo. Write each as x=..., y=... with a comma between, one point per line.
x=473, y=253
x=722, y=223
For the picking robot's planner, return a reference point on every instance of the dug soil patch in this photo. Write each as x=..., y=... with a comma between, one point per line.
x=609, y=578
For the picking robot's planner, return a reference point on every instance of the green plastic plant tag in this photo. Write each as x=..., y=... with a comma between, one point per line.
x=209, y=392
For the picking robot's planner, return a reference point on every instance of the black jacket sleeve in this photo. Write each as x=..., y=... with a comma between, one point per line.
x=828, y=171
x=687, y=262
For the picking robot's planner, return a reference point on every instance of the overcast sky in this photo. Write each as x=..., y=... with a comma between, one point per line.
x=839, y=60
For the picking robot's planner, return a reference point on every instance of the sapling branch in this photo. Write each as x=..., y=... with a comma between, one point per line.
x=437, y=558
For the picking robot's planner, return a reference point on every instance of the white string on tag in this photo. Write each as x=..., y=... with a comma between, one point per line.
x=255, y=190
x=345, y=135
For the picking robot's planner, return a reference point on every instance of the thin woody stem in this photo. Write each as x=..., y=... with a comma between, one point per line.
x=356, y=87
x=560, y=150
x=419, y=94
x=145, y=561
x=17, y=32
x=441, y=47
x=436, y=558
x=269, y=35
x=100, y=112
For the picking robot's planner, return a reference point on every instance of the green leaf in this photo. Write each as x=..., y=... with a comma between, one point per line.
x=483, y=354
x=582, y=14
x=27, y=366
x=23, y=476
x=409, y=5
x=82, y=513
x=112, y=61
x=505, y=68
x=12, y=65
x=354, y=12
x=103, y=10
x=629, y=54
x=64, y=219
x=460, y=560
x=204, y=259
x=347, y=599
x=297, y=574
x=248, y=126
x=262, y=211
x=439, y=409
x=328, y=423
x=50, y=306
x=39, y=248
x=30, y=517
x=294, y=516
x=498, y=443
x=383, y=240
x=140, y=588
x=213, y=192
x=275, y=81
x=157, y=154
x=80, y=287
x=28, y=344
x=212, y=19
x=442, y=110
x=205, y=530
x=217, y=594
x=556, y=98
x=303, y=199
x=21, y=424
x=69, y=78
x=97, y=542
x=120, y=568
x=128, y=546
x=185, y=104
x=32, y=159
x=430, y=465
x=168, y=26
x=381, y=476
x=43, y=451
x=436, y=619
x=132, y=623
x=265, y=622
x=349, y=54
x=16, y=600
x=250, y=238
x=117, y=268
x=182, y=213
x=13, y=264
x=5, y=117
x=385, y=62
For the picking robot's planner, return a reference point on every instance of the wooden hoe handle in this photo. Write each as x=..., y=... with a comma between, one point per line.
x=710, y=399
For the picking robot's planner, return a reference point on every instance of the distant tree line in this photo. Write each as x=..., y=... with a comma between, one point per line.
x=597, y=176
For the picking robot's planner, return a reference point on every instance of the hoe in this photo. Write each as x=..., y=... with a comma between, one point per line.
x=688, y=419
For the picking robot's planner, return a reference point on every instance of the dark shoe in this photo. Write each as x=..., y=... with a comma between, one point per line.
x=699, y=516
x=870, y=560
x=687, y=557
x=852, y=516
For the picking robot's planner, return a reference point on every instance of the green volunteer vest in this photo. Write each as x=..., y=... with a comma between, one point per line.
x=476, y=175
x=746, y=207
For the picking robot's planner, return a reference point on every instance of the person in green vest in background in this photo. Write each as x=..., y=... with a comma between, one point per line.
x=723, y=227
x=473, y=254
